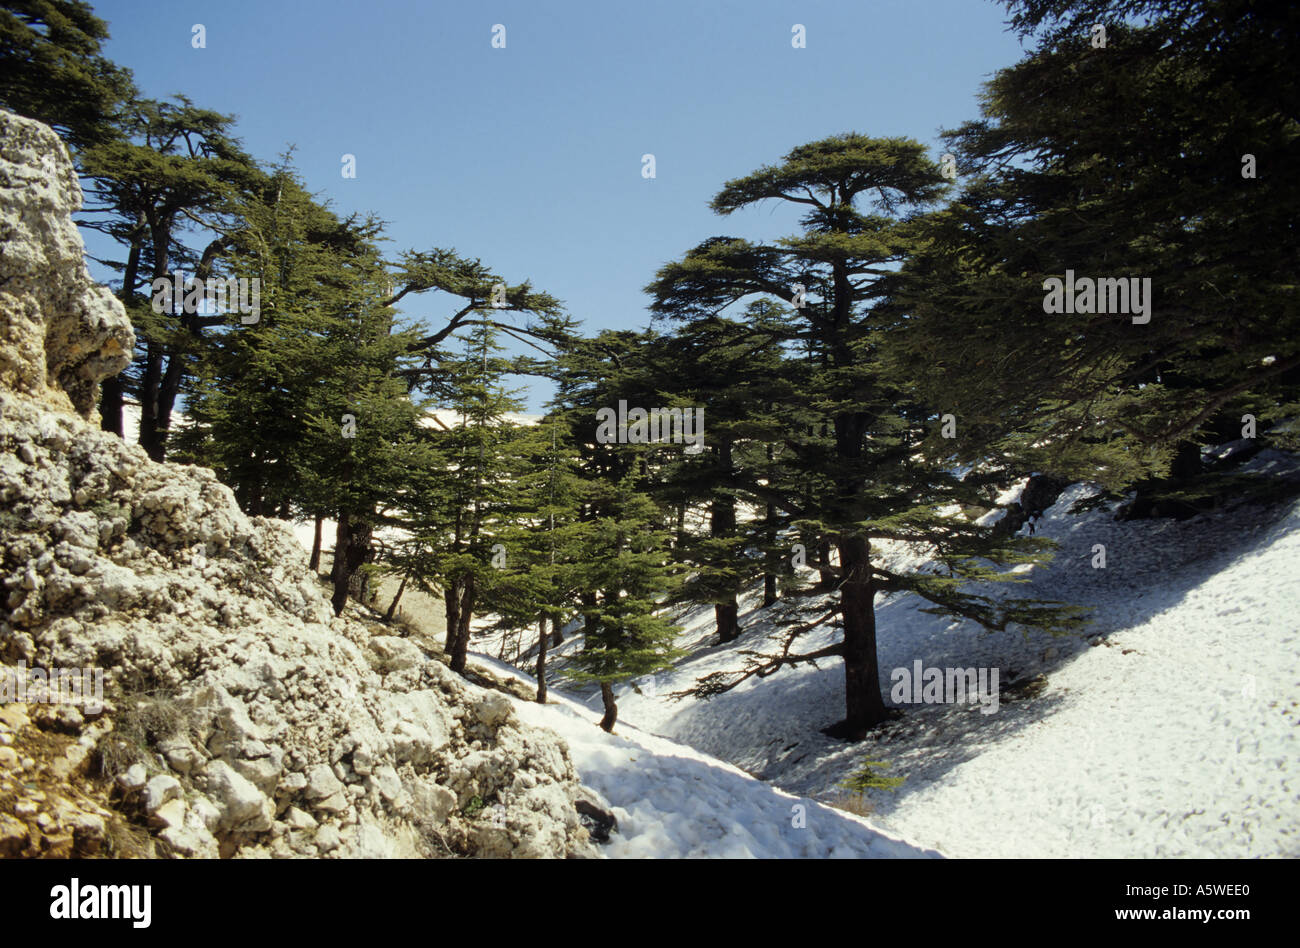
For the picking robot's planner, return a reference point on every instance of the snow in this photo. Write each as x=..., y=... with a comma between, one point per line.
x=675, y=802
x=1167, y=730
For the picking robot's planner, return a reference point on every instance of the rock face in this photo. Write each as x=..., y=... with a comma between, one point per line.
x=242, y=718
x=60, y=333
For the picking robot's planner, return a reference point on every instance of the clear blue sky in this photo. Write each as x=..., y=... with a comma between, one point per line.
x=529, y=157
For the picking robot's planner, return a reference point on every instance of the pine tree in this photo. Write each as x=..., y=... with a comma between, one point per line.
x=628, y=575
x=52, y=70
x=1159, y=156
x=255, y=382
x=174, y=164
x=364, y=449
x=622, y=566
x=546, y=540
x=732, y=371
x=853, y=461
x=471, y=508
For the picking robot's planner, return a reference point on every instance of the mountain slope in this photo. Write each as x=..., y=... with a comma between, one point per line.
x=1169, y=731
x=672, y=801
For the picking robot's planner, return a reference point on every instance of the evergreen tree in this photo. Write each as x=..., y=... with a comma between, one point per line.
x=474, y=502
x=307, y=411
x=365, y=449
x=732, y=371
x=51, y=69
x=1160, y=156
x=481, y=296
x=853, y=459
x=546, y=540
x=624, y=572
x=255, y=383
x=628, y=575
x=174, y=165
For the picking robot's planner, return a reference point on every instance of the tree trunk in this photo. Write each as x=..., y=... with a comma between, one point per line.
x=827, y=581
x=1184, y=468
x=351, y=548
x=168, y=388
x=166, y=382
x=110, y=406
x=249, y=494
x=726, y=615
x=361, y=585
x=611, y=709
x=1186, y=464
x=151, y=434
x=338, y=571
x=460, y=651
x=451, y=605
x=864, y=706
x=769, y=574
x=543, y=638
x=401, y=588
x=769, y=535
x=722, y=525
x=111, y=392
x=557, y=633
x=314, y=563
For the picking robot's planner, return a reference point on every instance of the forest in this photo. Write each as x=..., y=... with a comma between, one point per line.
x=877, y=375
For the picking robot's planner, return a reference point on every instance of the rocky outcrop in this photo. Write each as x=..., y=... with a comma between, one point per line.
x=60, y=333
x=1037, y=497
x=241, y=717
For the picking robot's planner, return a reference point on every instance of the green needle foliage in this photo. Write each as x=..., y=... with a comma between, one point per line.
x=860, y=457
x=628, y=576
x=868, y=777
x=1163, y=155
x=51, y=69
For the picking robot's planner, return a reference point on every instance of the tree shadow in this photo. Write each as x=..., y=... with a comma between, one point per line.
x=770, y=726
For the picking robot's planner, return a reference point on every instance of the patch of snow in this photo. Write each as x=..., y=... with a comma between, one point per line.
x=674, y=802
x=1169, y=729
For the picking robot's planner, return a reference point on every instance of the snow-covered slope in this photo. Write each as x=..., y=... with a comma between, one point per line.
x=1169, y=730
x=672, y=801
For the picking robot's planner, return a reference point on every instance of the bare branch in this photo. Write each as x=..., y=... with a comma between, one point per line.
x=761, y=665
